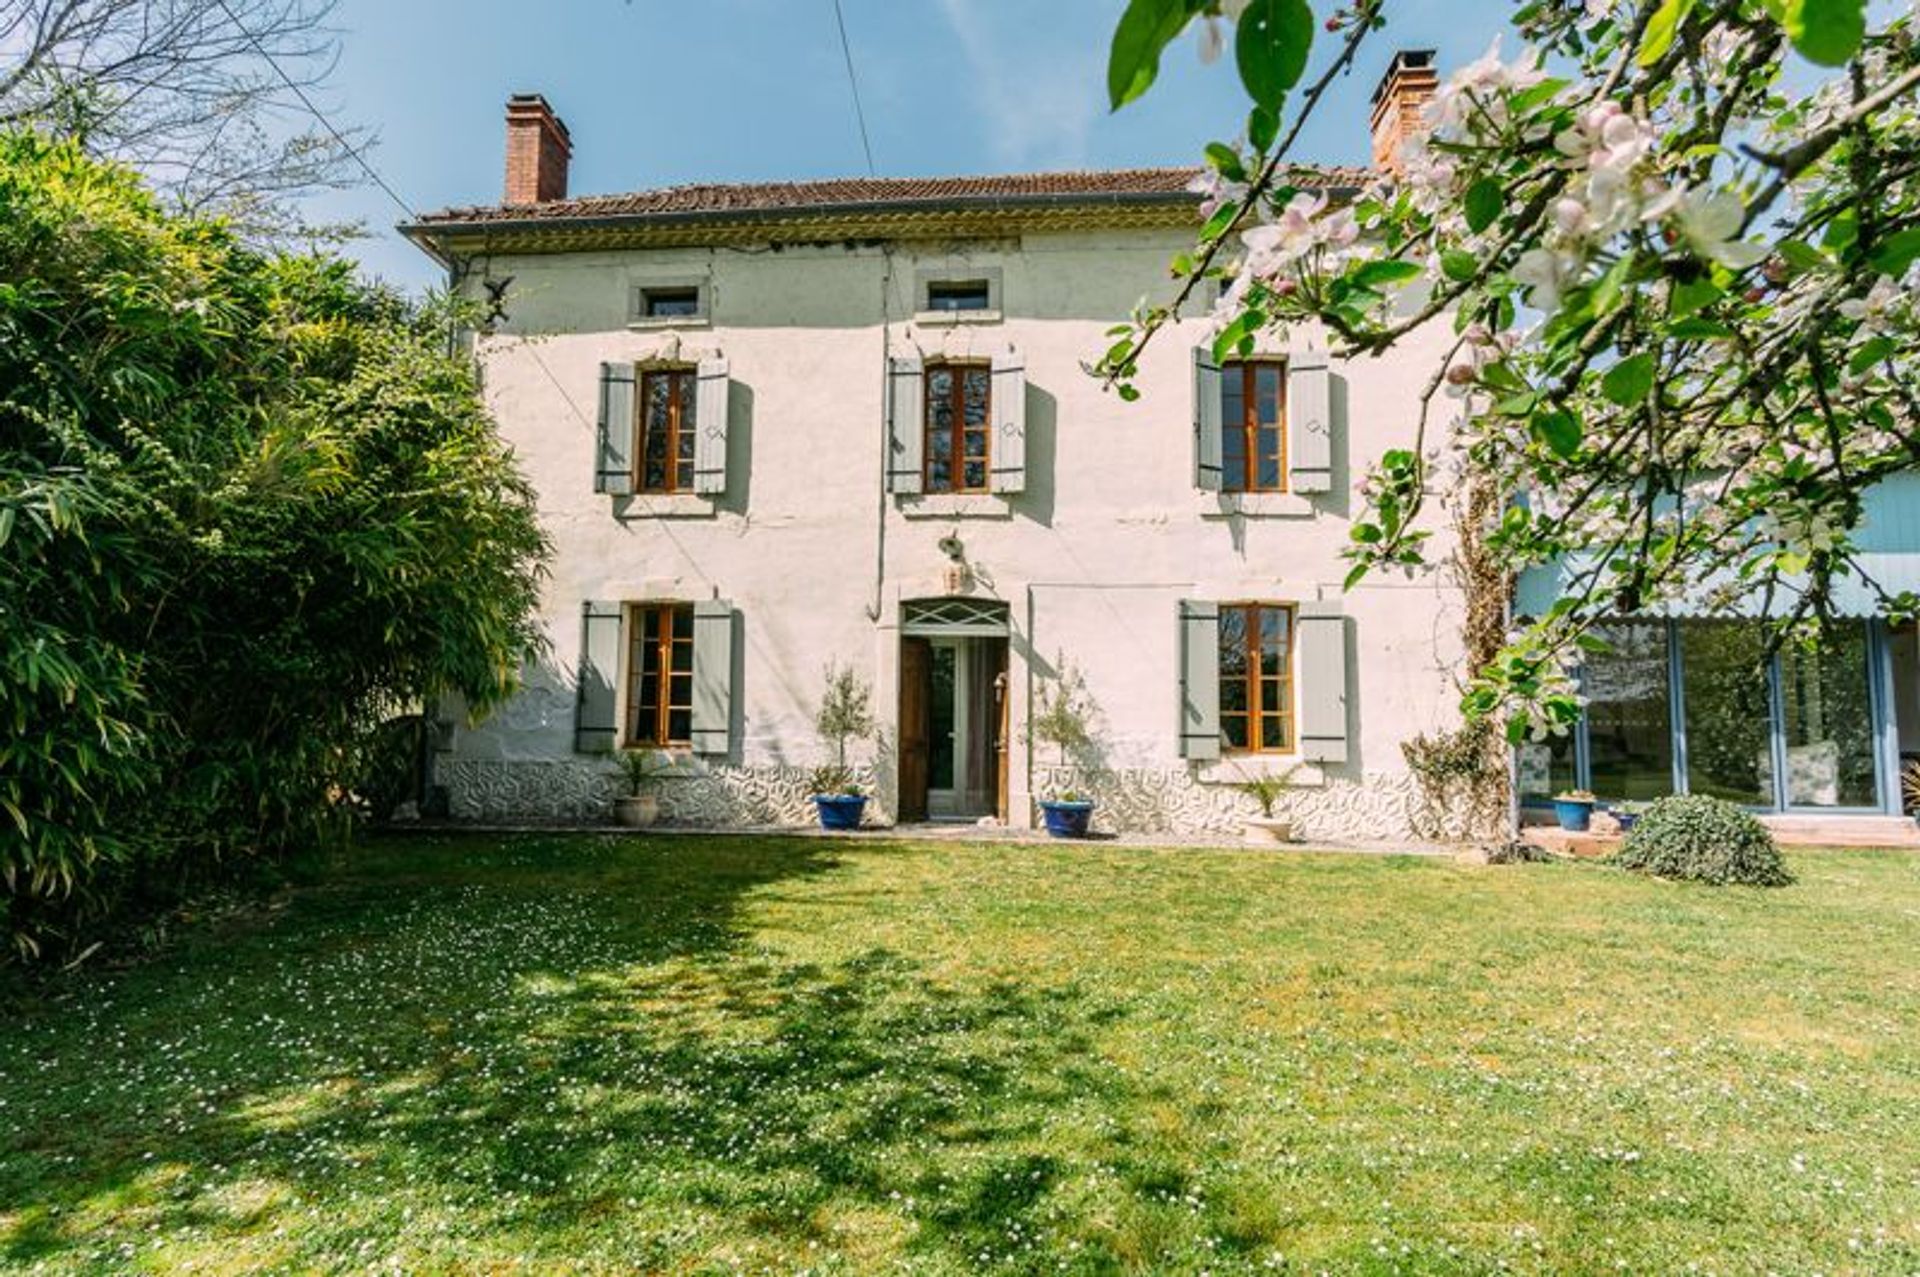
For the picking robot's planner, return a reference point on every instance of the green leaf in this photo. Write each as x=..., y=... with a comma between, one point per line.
x=1691, y=295
x=1695, y=328
x=1458, y=264
x=1270, y=46
x=1826, y=31
x=1263, y=126
x=1661, y=27
x=1897, y=252
x=1559, y=430
x=1870, y=353
x=1217, y=224
x=1384, y=272
x=1803, y=256
x=1483, y=204
x=1146, y=28
x=1627, y=382
x=1224, y=159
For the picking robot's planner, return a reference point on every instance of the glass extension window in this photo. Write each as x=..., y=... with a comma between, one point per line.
x=959, y=427
x=1256, y=677
x=666, y=430
x=1253, y=447
x=660, y=674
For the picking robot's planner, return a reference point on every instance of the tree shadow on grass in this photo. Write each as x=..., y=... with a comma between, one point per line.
x=546, y=1047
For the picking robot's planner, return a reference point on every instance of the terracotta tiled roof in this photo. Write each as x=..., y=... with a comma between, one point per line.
x=1156, y=185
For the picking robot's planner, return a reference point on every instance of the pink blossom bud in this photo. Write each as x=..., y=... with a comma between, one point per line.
x=1461, y=375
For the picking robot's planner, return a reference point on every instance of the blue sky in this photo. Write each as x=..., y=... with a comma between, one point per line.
x=660, y=92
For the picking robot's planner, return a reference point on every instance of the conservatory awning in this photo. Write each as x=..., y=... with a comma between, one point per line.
x=1889, y=552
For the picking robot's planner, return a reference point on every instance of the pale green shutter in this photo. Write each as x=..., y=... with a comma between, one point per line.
x=596, y=697
x=710, y=405
x=713, y=677
x=613, y=464
x=1322, y=672
x=1199, y=679
x=1309, y=422
x=1206, y=419
x=1010, y=422
x=906, y=424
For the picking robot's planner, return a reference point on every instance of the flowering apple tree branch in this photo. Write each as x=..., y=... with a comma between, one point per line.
x=1676, y=242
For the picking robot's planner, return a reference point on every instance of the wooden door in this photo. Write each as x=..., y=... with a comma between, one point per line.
x=916, y=686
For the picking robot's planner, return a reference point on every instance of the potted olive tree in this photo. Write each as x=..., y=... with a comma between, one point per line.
x=1060, y=714
x=639, y=806
x=1267, y=828
x=846, y=713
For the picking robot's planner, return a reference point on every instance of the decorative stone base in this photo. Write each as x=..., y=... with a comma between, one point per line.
x=584, y=789
x=1170, y=800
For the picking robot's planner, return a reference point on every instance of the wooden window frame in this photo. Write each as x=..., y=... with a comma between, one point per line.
x=1255, y=680
x=1249, y=425
x=659, y=730
x=677, y=427
x=956, y=457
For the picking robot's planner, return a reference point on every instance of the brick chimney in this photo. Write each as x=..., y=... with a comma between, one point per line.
x=537, y=151
x=1400, y=105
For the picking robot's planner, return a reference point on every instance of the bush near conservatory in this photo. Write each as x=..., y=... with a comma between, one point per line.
x=250, y=506
x=1703, y=839
x=1677, y=243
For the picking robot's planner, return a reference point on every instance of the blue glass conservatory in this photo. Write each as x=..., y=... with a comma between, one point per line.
x=1686, y=704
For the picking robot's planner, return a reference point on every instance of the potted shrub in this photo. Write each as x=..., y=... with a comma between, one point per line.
x=1267, y=828
x=846, y=713
x=639, y=807
x=1060, y=715
x=1574, y=809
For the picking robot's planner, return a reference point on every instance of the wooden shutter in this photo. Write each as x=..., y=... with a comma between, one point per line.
x=1206, y=419
x=906, y=424
x=1309, y=422
x=711, y=398
x=613, y=464
x=1010, y=422
x=1199, y=679
x=1322, y=694
x=712, y=677
x=596, y=696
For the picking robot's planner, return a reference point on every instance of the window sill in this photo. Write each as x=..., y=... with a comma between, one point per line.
x=952, y=318
x=1254, y=505
x=664, y=505
x=657, y=323
x=956, y=505
x=1234, y=769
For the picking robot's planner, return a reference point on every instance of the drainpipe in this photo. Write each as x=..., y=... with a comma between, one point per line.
x=877, y=607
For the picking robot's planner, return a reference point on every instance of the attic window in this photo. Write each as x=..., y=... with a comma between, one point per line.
x=959, y=294
x=666, y=303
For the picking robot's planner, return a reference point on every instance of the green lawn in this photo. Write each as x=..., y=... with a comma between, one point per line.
x=709, y=1055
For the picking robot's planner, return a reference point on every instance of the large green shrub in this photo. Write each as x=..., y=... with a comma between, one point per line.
x=250, y=506
x=1705, y=840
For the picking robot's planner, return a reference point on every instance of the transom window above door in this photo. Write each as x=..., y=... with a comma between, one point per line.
x=1253, y=449
x=666, y=430
x=959, y=425
x=1256, y=677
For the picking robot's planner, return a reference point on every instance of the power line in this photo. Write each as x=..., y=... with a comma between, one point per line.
x=316, y=112
x=853, y=82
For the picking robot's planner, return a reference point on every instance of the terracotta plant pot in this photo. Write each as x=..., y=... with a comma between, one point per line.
x=636, y=813
x=1266, y=831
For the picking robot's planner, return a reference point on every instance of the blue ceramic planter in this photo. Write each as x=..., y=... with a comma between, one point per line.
x=840, y=811
x=1065, y=819
x=1575, y=815
x=1627, y=819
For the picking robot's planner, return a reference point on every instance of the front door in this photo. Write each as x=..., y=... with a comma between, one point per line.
x=916, y=676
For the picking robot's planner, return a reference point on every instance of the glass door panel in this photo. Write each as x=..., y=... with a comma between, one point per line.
x=941, y=716
x=1723, y=668
x=1826, y=704
x=1629, y=712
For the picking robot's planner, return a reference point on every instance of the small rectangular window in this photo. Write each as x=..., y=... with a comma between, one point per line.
x=959, y=444
x=665, y=303
x=959, y=294
x=1253, y=437
x=1256, y=678
x=660, y=674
